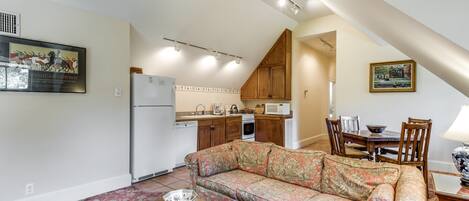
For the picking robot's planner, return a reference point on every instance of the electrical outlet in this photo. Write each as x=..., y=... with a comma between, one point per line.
x=29, y=189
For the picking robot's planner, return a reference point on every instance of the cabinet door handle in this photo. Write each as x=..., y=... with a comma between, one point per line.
x=212, y=127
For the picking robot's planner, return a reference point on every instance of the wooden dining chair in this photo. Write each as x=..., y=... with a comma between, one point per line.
x=410, y=120
x=413, y=147
x=336, y=140
x=351, y=123
x=418, y=121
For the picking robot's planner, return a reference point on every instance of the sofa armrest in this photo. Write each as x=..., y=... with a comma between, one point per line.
x=411, y=185
x=383, y=192
x=191, y=160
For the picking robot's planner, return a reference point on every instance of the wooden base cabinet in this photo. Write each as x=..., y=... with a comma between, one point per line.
x=210, y=133
x=233, y=128
x=270, y=129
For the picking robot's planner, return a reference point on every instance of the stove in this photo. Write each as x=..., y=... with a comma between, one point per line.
x=249, y=127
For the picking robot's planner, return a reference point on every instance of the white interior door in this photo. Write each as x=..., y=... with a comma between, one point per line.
x=152, y=140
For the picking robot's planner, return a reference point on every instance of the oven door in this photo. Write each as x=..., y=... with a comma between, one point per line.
x=249, y=129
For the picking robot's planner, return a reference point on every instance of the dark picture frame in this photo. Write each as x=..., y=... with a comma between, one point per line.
x=37, y=66
x=394, y=76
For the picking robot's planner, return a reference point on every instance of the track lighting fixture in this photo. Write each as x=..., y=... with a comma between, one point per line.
x=295, y=7
x=217, y=54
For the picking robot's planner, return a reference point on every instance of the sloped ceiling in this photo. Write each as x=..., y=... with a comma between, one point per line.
x=247, y=28
x=448, y=18
x=443, y=57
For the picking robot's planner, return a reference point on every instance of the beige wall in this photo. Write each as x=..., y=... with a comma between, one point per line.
x=310, y=72
x=75, y=143
x=434, y=98
x=186, y=101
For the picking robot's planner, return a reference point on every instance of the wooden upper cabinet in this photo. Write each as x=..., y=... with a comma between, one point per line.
x=276, y=55
x=272, y=78
x=277, y=82
x=250, y=88
x=264, y=83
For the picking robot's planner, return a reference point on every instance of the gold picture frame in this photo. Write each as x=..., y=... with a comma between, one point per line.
x=394, y=76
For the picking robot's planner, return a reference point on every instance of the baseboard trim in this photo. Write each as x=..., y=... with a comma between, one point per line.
x=441, y=166
x=306, y=141
x=84, y=191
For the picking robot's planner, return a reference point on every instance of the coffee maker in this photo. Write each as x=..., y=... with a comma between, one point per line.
x=217, y=109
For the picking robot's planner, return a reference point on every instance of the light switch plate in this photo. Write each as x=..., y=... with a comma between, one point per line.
x=117, y=92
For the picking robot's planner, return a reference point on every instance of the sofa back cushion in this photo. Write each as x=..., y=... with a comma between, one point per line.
x=300, y=167
x=355, y=179
x=214, y=163
x=252, y=156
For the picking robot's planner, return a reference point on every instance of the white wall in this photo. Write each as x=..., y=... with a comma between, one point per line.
x=310, y=72
x=61, y=141
x=434, y=98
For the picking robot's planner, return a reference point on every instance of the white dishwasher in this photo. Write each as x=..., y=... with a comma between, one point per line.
x=185, y=135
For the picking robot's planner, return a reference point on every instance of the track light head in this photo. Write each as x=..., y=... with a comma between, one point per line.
x=282, y=3
x=238, y=60
x=177, y=47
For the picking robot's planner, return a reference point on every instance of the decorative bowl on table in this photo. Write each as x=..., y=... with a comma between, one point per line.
x=180, y=195
x=376, y=128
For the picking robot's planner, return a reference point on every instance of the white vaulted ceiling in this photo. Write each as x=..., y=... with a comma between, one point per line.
x=247, y=28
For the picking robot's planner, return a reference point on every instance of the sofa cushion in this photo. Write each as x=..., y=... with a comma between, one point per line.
x=301, y=167
x=227, y=183
x=214, y=163
x=355, y=179
x=252, y=156
x=275, y=190
x=327, y=197
x=383, y=192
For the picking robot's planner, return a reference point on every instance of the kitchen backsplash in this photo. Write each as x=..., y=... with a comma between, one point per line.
x=188, y=97
x=206, y=89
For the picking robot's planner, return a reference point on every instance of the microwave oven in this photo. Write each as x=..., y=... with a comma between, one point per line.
x=277, y=108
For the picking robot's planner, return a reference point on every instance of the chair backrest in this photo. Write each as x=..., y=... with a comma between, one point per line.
x=336, y=139
x=418, y=121
x=350, y=123
x=413, y=147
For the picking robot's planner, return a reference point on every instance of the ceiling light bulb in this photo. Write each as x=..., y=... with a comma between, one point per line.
x=238, y=61
x=282, y=3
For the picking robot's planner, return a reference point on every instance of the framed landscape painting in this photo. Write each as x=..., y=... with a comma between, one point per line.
x=396, y=76
x=36, y=66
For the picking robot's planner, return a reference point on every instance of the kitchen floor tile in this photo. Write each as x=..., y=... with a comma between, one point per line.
x=180, y=185
x=165, y=179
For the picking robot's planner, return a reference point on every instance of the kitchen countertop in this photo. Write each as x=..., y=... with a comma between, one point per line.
x=191, y=117
x=203, y=117
x=288, y=116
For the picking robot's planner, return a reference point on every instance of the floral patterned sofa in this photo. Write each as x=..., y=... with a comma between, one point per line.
x=253, y=171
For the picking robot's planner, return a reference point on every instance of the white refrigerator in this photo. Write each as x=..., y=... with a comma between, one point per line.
x=152, y=119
